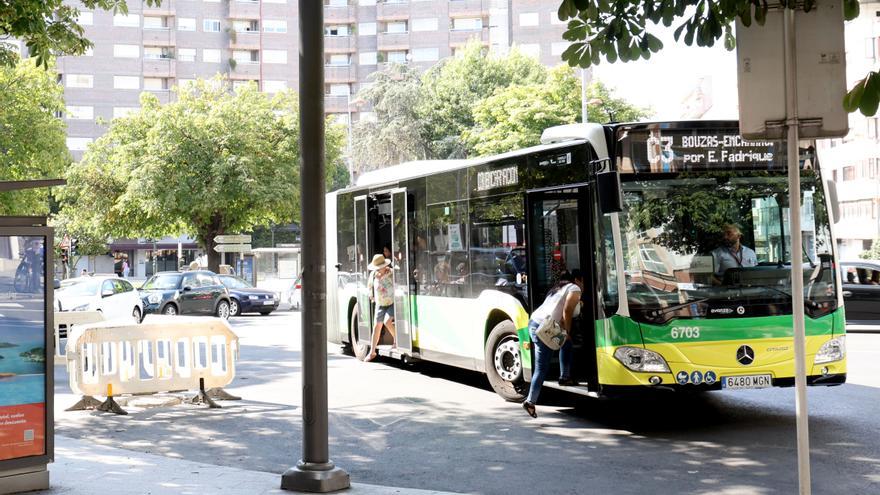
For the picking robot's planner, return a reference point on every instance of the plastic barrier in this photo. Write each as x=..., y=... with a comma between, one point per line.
x=162, y=354
x=69, y=318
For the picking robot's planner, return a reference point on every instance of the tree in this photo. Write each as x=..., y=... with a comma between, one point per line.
x=396, y=134
x=515, y=116
x=873, y=253
x=619, y=29
x=212, y=162
x=49, y=27
x=454, y=86
x=32, y=137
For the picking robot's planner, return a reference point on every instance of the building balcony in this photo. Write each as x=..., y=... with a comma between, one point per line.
x=244, y=40
x=340, y=44
x=461, y=38
x=393, y=41
x=239, y=9
x=392, y=11
x=468, y=8
x=164, y=10
x=163, y=67
x=340, y=15
x=340, y=74
x=159, y=37
x=335, y=104
x=244, y=71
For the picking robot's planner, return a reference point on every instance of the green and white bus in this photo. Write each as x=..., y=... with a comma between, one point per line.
x=640, y=208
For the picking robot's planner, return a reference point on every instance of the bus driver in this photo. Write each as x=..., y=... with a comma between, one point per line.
x=731, y=253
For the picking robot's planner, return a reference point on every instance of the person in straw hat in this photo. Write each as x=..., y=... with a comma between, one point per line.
x=381, y=287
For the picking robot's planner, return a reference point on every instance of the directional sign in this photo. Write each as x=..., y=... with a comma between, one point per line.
x=232, y=248
x=233, y=239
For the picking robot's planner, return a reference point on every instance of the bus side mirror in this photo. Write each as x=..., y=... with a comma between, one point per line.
x=610, y=192
x=831, y=190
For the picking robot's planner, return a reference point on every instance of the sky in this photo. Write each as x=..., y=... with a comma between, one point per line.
x=669, y=76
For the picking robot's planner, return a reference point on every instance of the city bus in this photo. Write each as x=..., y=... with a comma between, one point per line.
x=640, y=208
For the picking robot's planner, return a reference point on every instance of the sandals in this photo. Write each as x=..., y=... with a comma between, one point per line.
x=530, y=408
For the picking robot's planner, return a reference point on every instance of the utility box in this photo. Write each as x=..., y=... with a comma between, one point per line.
x=821, y=74
x=26, y=350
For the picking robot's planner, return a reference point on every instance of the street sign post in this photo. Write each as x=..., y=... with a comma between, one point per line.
x=233, y=248
x=779, y=70
x=233, y=239
x=233, y=243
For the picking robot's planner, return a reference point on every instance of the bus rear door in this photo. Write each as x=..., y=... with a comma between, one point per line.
x=400, y=251
x=361, y=228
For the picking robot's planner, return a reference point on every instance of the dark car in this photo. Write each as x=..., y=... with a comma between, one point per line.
x=186, y=293
x=245, y=298
x=861, y=291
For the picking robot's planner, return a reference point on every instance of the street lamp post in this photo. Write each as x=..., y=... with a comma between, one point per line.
x=584, y=118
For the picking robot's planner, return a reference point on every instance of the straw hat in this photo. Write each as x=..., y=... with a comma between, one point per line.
x=378, y=262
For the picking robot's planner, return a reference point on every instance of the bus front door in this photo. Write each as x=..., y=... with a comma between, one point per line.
x=361, y=229
x=399, y=244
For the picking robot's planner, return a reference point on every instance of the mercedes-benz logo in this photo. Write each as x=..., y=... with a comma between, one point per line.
x=745, y=355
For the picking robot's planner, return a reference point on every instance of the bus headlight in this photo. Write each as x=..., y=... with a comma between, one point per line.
x=642, y=360
x=833, y=350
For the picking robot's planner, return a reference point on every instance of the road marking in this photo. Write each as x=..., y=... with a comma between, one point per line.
x=10, y=305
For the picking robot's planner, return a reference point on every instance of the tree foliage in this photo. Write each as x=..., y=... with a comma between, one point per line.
x=453, y=87
x=515, y=116
x=32, y=137
x=621, y=30
x=873, y=253
x=209, y=163
x=49, y=27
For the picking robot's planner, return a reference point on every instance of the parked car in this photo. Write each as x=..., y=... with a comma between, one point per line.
x=115, y=297
x=191, y=293
x=861, y=291
x=245, y=298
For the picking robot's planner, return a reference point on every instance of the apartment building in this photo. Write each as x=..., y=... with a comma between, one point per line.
x=854, y=161
x=155, y=48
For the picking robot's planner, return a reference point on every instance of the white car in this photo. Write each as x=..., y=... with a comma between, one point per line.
x=115, y=297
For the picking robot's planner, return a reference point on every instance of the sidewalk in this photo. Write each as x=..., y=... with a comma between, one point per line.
x=86, y=468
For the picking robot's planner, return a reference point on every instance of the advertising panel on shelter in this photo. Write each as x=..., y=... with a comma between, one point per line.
x=22, y=347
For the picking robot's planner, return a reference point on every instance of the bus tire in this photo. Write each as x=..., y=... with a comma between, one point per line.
x=359, y=349
x=503, y=362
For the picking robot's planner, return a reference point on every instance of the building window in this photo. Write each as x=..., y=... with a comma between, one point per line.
x=336, y=3
x=871, y=48
x=849, y=173
x=80, y=80
x=527, y=19
x=338, y=59
x=241, y=84
x=337, y=30
x=425, y=54
x=531, y=50
x=367, y=3
x=152, y=22
x=274, y=26
x=467, y=24
x=126, y=82
x=75, y=112
x=246, y=56
x=78, y=143
x=339, y=90
x=130, y=20
x=558, y=47
x=186, y=54
x=367, y=29
x=85, y=19
x=90, y=51
x=397, y=57
x=211, y=55
x=554, y=19
x=274, y=86
x=186, y=83
x=211, y=25
x=126, y=51
x=396, y=27
x=155, y=83
x=367, y=58
x=429, y=24
x=873, y=124
x=157, y=52
x=245, y=26
x=186, y=24
x=275, y=56
x=121, y=112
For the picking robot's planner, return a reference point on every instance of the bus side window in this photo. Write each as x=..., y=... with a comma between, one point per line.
x=447, y=240
x=498, y=252
x=606, y=263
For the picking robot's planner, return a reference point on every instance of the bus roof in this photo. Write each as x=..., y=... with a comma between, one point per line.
x=421, y=168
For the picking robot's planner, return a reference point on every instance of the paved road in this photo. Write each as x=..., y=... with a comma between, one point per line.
x=432, y=427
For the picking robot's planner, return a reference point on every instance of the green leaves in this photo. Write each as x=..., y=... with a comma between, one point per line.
x=850, y=9
x=864, y=96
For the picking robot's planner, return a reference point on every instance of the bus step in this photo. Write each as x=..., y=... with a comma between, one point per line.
x=394, y=353
x=581, y=389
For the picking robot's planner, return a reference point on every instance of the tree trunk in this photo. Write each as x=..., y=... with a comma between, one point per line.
x=213, y=256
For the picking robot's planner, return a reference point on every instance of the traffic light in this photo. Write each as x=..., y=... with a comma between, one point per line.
x=73, y=243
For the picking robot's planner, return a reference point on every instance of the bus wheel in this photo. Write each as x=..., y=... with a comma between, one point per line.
x=360, y=349
x=504, y=364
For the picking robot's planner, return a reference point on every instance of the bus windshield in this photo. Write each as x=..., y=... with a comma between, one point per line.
x=718, y=244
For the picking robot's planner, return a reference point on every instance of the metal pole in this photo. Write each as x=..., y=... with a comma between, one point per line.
x=797, y=273
x=584, y=118
x=315, y=472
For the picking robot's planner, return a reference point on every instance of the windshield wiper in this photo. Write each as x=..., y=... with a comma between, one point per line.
x=670, y=309
x=760, y=286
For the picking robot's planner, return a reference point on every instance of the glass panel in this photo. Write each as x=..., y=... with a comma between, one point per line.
x=498, y=246
x=447, y=241
x=555, y=239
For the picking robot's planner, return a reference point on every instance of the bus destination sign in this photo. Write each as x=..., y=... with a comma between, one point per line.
x=492, y=179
